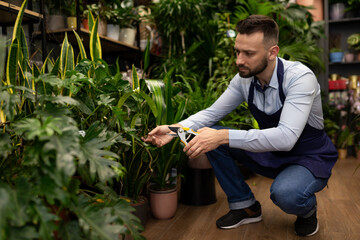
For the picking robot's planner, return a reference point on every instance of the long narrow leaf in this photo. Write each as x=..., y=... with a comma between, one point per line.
x=81, y=46
x=11, y=64
x=151, y=103
x=64, y=56
x=95, y=45
x=135, y=79
x=17, y=26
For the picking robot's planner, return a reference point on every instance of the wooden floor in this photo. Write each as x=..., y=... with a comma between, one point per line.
x=338, y=213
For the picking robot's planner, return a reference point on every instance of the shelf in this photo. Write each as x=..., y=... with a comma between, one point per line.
x=344, y=63
x=345, y=20
x=109, y=46
x=9, y=13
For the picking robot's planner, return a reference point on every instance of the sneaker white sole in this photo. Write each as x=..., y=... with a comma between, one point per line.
x=313, y=233
x=243, y=222
x=316, y=230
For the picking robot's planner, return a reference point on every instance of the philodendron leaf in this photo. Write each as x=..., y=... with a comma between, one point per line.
x=93, y=152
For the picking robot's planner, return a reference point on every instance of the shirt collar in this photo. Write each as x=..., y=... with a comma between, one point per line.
x=273, y=81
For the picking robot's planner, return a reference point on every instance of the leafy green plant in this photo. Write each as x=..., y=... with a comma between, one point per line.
x=170, y=155
x=55, y=149
x=354, y=41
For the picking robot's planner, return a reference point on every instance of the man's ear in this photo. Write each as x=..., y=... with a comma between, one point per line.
x=273, y=52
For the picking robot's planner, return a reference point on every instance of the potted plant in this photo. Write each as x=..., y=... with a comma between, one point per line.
x=55, y=19
x=337, y=9
x=103, y=12
x=70, y=11
x=163, y=190
x=344, y=139
x=45, y=157
x=336, y=55
x=128, y=19
x=354, y=43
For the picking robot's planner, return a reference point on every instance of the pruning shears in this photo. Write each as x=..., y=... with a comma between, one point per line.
x=185, y=134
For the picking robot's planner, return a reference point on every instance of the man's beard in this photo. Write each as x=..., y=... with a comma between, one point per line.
x=260, y=68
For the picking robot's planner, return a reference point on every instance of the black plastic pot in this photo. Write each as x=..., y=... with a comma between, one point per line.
x=198, y=187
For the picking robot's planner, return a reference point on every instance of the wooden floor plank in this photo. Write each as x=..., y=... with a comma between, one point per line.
x=338, y=213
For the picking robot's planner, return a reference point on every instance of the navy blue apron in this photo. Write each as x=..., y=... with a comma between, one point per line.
x=313, y=150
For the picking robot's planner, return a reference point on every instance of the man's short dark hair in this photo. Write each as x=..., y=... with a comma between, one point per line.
x=260, y=23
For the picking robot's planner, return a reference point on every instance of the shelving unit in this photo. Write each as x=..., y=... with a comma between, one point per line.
x=343, y=27
x=8, y=14
x=109, y=46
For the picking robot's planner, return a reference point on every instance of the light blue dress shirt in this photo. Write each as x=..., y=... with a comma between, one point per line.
x=302, y=105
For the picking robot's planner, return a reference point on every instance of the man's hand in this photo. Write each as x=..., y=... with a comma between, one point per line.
x=159, y=135
x=208, y=139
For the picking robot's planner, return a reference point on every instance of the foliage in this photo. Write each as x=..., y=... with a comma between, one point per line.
x=175, y=19
x=60, y=128
x=354, y=41
x=170, y=155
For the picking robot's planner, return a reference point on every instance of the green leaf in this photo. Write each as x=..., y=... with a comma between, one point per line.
x=135, y=80
x=92, y=152
x=2, y=56
x=81, y=46
x=95, y=45
x=56, y=67
x=11, y=65
x=147, y=55
x=64, y=56
x=18, y=22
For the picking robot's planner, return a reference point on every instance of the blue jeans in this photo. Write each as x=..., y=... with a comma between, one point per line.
x=293, y=189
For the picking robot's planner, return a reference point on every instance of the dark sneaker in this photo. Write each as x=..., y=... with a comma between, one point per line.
x=306, y=226
x=235, y=218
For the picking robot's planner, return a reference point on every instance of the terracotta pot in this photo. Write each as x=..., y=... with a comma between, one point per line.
x=141, y=209
x=349, y=57
x=163, y=203
x=85, y=23
x=342, y=153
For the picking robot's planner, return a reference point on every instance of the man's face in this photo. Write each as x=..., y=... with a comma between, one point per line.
x=251, y=54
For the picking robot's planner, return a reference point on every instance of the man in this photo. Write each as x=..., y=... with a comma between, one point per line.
x=290, y=146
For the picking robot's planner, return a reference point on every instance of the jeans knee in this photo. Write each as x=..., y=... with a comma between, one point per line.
x=286, y=199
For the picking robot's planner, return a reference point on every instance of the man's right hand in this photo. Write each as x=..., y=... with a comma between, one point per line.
x=159, y=135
